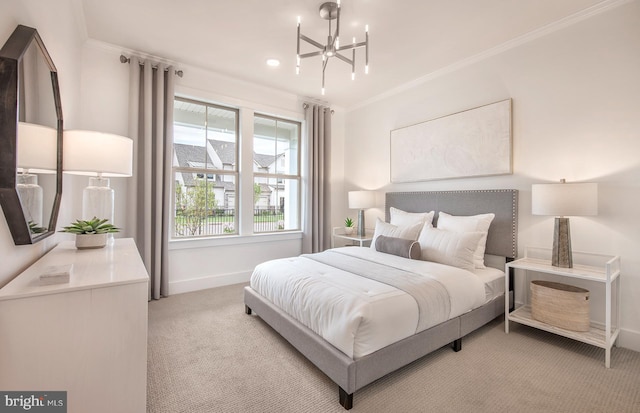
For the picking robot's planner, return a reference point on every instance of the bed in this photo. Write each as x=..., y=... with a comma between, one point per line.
x=354, y=360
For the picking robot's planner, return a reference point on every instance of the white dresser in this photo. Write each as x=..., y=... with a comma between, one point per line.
x=87, y=337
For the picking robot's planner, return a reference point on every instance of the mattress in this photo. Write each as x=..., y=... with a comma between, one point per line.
x=359, y=315
x=493, y=280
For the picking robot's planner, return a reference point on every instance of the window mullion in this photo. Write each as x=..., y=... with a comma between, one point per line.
x=246, y=171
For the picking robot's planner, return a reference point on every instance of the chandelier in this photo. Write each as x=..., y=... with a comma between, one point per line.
x=331, y=11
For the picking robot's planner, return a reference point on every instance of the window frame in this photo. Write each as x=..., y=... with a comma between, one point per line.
x=281, y=176
x=235, y=172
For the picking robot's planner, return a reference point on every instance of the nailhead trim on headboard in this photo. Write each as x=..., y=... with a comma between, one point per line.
x=502, y=202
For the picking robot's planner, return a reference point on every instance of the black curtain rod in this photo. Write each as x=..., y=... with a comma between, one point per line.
x=125, y=59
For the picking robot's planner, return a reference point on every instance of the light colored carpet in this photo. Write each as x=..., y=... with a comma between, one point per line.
x=207, y=355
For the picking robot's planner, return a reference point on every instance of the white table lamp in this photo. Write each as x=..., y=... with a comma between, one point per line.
x=37, y=153
x=98, y=155
x=361, y=200
x=563, y=199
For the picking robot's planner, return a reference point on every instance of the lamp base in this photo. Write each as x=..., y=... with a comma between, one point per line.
x=561, y=255
x=361, y=229
x=30, y=198
x=98, y=200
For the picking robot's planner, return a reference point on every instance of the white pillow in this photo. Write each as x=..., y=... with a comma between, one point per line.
x=402, y=218
x=472, y=223
x=449, y=247
x=407, y=232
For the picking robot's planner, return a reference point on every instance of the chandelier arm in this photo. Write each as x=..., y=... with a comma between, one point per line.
x=344, y=59
x=324, y=66
x=311, y=41
x=318, y=53
x=351, y=46
x=353, y=64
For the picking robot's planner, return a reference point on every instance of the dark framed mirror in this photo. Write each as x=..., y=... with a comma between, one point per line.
x=30, y=137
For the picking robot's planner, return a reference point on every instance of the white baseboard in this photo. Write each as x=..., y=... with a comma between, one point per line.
x=629, y=339
x=202, y=283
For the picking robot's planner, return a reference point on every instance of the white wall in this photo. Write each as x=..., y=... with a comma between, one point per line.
x=576, y=113
x=56, y=24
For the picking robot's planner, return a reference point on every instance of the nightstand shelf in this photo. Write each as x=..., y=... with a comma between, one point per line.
x=596, y=336
x=338, y=233
x=604, y=270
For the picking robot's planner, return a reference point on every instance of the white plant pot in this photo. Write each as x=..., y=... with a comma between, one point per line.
x=89, y=241
x=348, y=230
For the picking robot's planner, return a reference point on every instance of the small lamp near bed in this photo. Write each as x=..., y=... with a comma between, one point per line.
x=99, y=156
x=361, y=200
x=564, y=199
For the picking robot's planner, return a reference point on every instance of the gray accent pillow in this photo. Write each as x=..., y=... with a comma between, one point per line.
x=399, y=246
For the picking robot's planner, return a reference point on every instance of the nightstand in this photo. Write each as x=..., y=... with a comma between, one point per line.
x=363, y=241
x=602, y=269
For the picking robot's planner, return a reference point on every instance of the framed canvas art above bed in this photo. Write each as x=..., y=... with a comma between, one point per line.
x=475, y=142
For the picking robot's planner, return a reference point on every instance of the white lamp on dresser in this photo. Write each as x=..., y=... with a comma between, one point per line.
x=100, y=156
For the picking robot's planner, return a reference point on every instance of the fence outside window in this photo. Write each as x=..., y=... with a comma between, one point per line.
x=221, y=221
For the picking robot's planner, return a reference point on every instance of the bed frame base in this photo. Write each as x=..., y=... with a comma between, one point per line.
x=351, y=375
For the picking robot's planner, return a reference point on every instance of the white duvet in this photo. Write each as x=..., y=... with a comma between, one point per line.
x=356, y=314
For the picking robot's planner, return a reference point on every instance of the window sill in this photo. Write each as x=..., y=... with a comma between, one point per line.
x=180, y=244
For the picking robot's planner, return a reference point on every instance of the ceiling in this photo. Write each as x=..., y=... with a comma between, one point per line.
x=409, y=39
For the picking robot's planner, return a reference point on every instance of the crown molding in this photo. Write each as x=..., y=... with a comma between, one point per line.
x=560, y=24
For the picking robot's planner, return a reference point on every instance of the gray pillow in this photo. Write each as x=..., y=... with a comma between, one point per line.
x=399, y=246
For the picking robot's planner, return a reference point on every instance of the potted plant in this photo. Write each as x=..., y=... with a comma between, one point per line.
x=91, y=233
x=348, y=226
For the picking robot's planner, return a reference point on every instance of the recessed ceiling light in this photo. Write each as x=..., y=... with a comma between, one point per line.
x=273, y=62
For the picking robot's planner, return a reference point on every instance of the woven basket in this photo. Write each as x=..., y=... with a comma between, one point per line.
x=560, y=305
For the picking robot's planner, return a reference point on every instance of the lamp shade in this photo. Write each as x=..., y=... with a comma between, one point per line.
x=362, y=199
x=564, y=199
x=37, y=148
x=91, y=153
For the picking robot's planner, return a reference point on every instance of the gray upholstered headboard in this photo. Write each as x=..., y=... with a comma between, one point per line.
x=503, y=232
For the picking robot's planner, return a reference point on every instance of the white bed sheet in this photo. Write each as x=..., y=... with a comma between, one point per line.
x=493, y=280
x=355, y=314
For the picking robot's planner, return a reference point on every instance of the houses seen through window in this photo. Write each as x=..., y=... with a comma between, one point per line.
x=205, y=169
x=276, y=145
x=207, y=176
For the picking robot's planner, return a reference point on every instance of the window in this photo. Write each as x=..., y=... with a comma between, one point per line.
x=276, y=174
x=207, y=178
x=205, y=169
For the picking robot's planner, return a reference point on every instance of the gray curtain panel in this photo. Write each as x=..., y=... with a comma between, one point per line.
x=151, y=92
x=317, y=230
